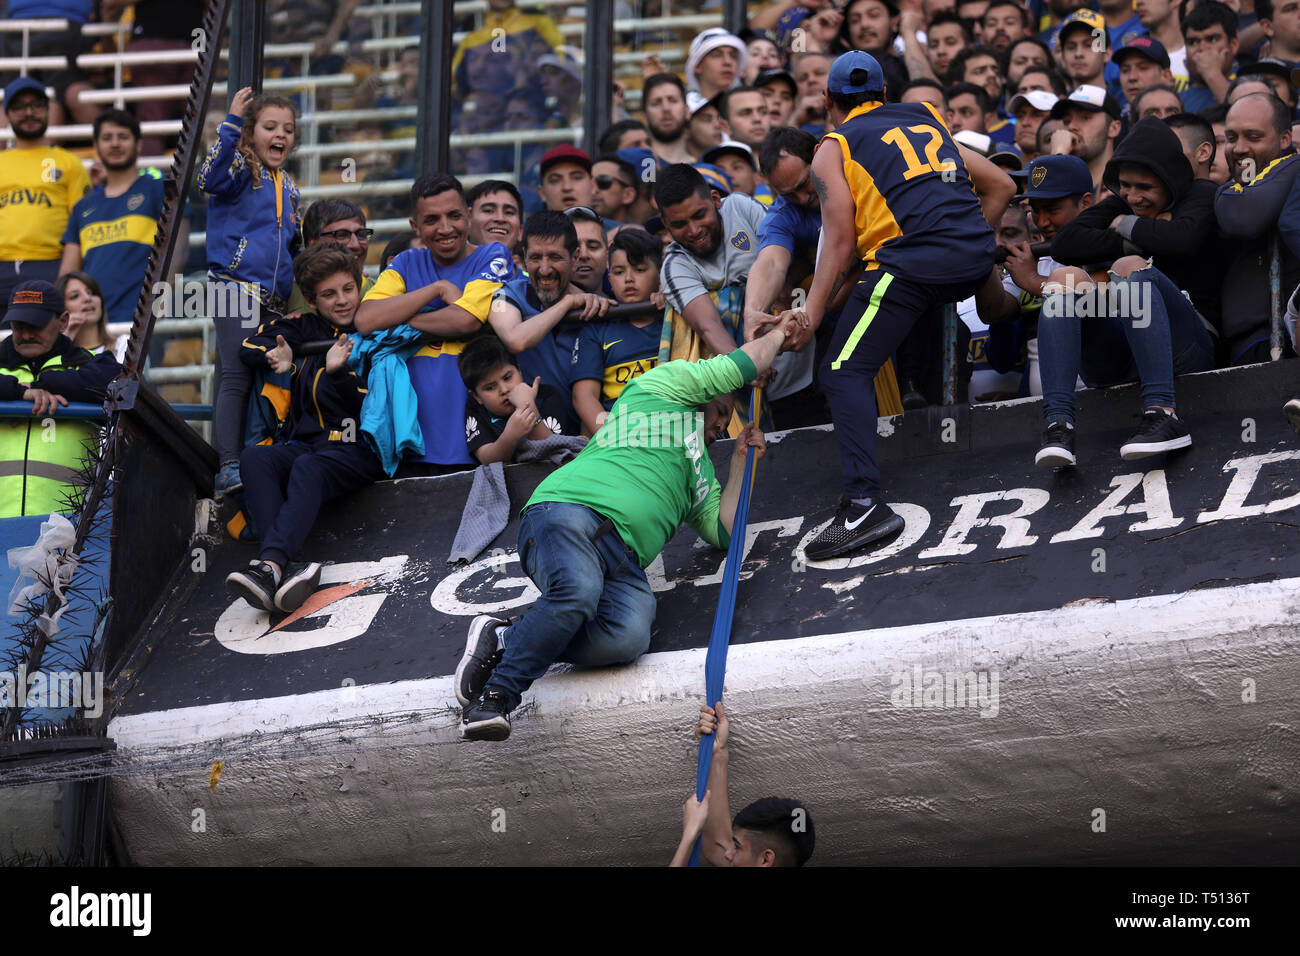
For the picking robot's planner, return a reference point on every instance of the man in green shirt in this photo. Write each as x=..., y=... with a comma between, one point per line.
x=590, y=529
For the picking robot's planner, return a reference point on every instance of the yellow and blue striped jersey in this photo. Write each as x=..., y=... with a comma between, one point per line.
x=917, y=213
x=614, y=353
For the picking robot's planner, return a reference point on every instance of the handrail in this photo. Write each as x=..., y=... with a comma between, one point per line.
x=458, y=141
x=51, y=25
x=89, y=412
x=179, y=91
x=86, y=130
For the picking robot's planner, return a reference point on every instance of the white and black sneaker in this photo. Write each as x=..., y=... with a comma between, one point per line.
x=853, y=527
x=1057, y=449
x=488, y=718
x=298, y=584
x=482, y=654
x=1159, y=432
x=256, y=584
x=1292, y=411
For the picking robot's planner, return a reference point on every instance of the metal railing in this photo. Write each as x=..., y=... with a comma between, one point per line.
x=86, y=411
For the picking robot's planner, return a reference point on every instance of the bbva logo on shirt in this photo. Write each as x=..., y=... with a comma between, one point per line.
x=500, y=268
x=741, y=241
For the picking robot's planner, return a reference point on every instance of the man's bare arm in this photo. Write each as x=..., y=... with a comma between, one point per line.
x=914, y=56
x=701, y=314
x=520, y=334
x=766, y=278
x=716, y=838
x=835, y=264
x=993, y=303
x=993, y=186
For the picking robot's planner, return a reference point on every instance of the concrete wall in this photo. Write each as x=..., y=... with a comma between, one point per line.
x=1174, y=716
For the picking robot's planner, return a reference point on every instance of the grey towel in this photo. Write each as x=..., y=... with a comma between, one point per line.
x=487, y=510
x=555, y=448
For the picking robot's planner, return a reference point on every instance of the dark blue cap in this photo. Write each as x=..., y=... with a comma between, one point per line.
x=1054, y=177
x=34, y=302
x=1148, y=47
x=855, y=72
x=22, y=85
x=643, y=160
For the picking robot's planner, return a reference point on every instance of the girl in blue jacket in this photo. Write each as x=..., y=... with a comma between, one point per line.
x=253, y=231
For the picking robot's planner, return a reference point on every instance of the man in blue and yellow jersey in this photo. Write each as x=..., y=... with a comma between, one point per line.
x=39, y=185
x=111, y=230
x=898, y=194
x=443, y=290
x=480, y=62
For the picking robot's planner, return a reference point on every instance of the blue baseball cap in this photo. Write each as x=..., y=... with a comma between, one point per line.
x=642, y=160
x=22, y=85
x=1054, y=177
x=855, y=72
x=1147, y=47
x=35, y=303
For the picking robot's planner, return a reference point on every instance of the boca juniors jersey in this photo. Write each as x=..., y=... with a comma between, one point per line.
x=917, y=212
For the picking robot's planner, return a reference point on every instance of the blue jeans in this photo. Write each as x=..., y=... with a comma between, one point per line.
x=1148, y=331
x=596, y=605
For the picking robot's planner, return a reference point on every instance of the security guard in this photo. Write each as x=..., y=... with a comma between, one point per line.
x=899, y=195
x=39, y=364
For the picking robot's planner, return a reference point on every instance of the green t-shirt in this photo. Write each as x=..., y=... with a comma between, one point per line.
x=647, y=469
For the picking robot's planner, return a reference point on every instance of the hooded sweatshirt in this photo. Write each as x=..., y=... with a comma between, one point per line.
x=1253, y=215
x=1184, y=247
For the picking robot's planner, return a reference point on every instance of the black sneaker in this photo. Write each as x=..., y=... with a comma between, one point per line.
x=487, y=718
x=481, y=655
x=1159, y=432
x=1057, y=449
x=255, y=584
x=298, y=584
x=852, y=527
x=1292, y=411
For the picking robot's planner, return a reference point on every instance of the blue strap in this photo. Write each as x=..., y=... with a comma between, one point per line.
x=715, y=662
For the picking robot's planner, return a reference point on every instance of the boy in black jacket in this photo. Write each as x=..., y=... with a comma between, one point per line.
x=1157, y=234
x=285, y=485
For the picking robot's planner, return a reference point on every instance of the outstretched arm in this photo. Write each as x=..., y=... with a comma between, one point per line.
x=839, y=245
x=694, y=813
x=717, y=837
x=751, y=436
